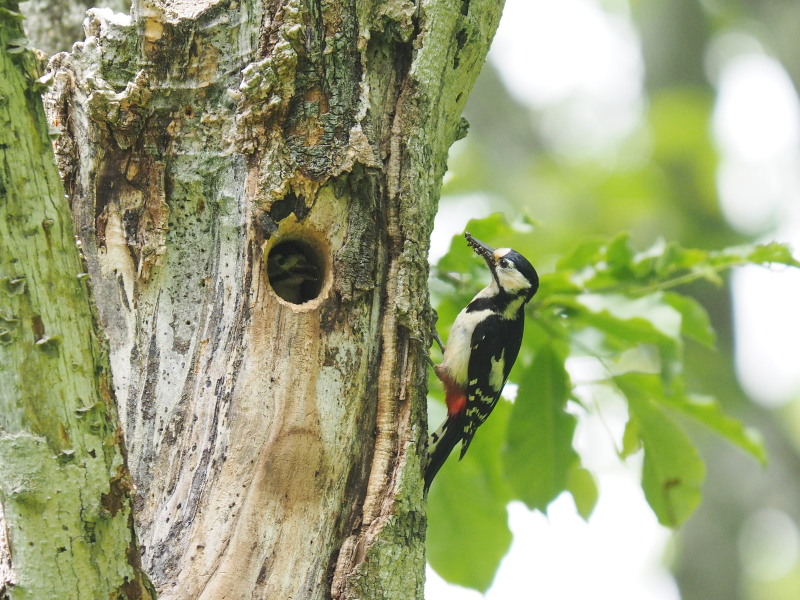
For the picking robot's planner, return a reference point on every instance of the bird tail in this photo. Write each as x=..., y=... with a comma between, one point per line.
x=442, y=442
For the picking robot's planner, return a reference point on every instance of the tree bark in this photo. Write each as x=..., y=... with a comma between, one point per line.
x=254, y=185
x=66, y=515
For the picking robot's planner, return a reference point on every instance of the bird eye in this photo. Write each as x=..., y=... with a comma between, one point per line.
x=503, y=263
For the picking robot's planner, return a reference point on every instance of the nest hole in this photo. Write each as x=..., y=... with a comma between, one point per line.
x=296, y=270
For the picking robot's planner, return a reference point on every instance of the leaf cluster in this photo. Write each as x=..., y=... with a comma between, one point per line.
x=622, y=309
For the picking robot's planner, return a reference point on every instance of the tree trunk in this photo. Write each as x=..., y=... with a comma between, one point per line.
x=66, y=516
x=254, y=185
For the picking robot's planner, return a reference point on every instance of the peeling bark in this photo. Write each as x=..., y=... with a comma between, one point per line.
x=275, y=444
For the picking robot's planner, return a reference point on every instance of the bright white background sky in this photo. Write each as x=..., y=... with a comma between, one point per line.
x=571, y=60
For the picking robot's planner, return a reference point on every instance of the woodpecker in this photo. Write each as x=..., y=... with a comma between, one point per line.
x=481, y=349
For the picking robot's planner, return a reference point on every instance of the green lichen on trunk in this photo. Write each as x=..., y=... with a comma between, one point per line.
x=63, y=484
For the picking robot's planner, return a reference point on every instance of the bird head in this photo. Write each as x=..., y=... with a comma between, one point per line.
x=511, y=271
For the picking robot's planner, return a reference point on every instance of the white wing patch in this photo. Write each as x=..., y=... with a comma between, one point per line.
x=496, y=375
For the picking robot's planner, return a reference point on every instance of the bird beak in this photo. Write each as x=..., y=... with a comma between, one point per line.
x=481, y=249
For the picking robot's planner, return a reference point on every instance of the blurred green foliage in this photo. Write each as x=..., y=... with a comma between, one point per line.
x=654, y=314
x=610, y=302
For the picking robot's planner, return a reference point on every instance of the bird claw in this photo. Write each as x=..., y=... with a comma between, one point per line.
x=438, y=340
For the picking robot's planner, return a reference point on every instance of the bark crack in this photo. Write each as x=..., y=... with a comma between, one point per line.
x=395, y=384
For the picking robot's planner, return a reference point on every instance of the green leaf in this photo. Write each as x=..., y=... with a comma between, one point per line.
x=538, y=454
x=631, y=438
x=458, y=259
x=773, y=252
x=10, y=14
x=586, y=254
x=628, y=322
x=619, y=256
x=708, y=411
x=650, y=309
x=467, y=517
x=673, y=472
x=555, y=283
x=583, y=488
x=675, y=257
x=495, y=225
x=694, y=318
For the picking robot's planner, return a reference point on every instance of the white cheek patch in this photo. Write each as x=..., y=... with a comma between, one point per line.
x=512, y=280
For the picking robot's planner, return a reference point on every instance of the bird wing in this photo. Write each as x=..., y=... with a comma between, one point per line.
x=495, y=345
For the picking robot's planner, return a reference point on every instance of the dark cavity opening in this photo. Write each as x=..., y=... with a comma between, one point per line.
x=296, y=271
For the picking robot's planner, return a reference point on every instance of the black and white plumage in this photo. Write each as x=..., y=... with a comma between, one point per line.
x=481, y=349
